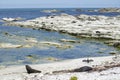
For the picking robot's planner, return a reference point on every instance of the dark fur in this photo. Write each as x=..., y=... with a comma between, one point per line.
x=30, y=70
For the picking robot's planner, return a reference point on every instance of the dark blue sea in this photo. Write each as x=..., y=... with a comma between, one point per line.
x=35, y=55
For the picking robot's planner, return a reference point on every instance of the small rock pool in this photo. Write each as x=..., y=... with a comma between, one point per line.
x=46, y=53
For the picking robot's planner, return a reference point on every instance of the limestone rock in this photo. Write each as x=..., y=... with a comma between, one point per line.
x=81, y=25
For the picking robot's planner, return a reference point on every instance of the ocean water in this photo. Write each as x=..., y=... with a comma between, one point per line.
x=35, y=55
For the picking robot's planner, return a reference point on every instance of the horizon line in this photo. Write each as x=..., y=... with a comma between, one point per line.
x=52, y=7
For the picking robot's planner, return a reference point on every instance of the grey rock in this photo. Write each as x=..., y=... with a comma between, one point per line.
x=116, y=44
x=109, y=10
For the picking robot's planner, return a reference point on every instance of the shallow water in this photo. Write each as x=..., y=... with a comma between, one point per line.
x=43, y=54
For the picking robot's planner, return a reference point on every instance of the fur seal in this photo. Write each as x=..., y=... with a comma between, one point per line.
x=83, y=69
x=30, y=70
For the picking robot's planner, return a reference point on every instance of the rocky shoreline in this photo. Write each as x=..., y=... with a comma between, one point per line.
x=101, y=10
x=103, y=67
x=102, y=27
x=109, y=10
x=81, y=25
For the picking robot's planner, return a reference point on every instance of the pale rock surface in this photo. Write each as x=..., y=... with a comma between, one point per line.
x=82, y=25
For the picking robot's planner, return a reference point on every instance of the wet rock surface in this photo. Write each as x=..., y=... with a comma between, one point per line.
x=71, y=41
x=114, y=43
x=9, y=45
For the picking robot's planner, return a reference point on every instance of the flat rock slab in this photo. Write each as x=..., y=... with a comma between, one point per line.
x=82, y=25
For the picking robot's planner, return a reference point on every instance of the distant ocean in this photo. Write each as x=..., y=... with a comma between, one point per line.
x=30, y=13
x=87, y=48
